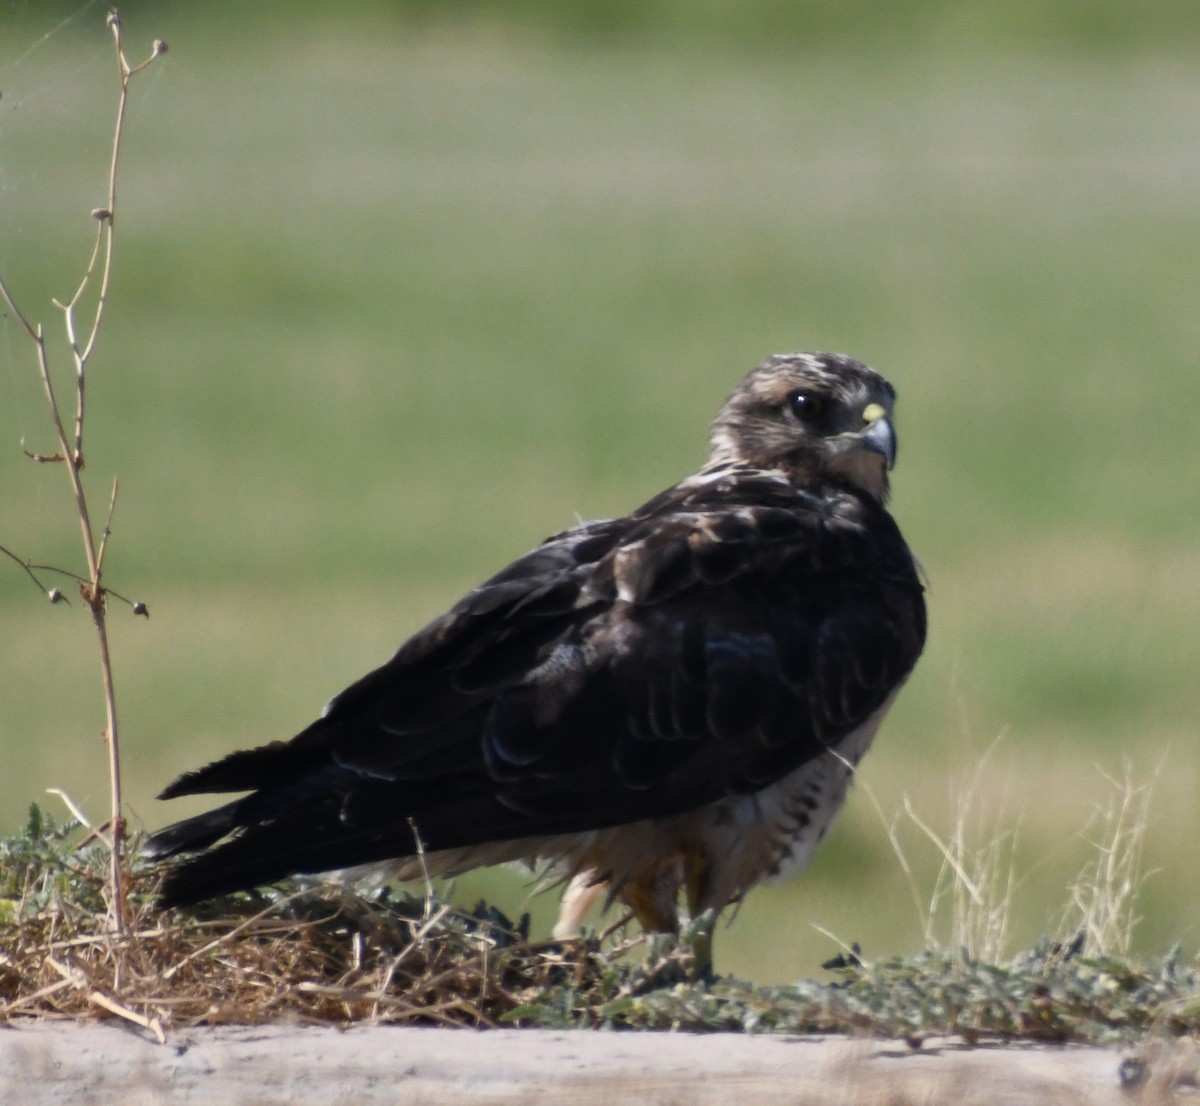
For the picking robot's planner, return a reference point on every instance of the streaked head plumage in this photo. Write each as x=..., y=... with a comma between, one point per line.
x=811, y=415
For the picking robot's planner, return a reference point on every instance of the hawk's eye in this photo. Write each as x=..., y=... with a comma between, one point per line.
x=808, y=407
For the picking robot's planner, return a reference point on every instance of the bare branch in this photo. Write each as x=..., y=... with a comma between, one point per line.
x=12, y=303
x=56, y=596
x=104, y=536
x=29, y=571
x=81, y=357
x=42, y=458
x=70, y=451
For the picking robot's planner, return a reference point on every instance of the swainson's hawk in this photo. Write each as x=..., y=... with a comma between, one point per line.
x=674, y=700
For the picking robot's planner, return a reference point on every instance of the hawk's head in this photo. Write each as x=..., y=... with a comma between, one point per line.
x=811, y=415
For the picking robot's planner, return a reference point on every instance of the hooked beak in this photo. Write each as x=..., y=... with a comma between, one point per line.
x=879, y=436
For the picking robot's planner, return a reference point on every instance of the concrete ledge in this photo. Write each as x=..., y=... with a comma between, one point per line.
x=60, y=1063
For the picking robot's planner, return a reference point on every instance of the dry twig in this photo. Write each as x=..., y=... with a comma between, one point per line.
x=70, y=453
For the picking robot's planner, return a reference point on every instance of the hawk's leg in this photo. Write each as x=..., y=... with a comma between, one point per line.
x=703, y=917
x=579, y=897
x=655, y=912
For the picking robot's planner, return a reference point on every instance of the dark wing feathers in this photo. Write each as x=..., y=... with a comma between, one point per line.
x=711, y=642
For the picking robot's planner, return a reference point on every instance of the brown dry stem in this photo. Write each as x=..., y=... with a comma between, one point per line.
x=70, y=452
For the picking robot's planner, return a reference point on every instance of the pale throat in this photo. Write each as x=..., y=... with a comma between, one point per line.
x=864, y=469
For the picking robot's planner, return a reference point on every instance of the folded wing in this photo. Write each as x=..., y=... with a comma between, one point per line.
x=708, y=644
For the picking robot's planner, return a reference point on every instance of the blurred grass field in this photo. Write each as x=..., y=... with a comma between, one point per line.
x=397, y=298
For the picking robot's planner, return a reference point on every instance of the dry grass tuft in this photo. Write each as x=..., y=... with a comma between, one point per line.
x=312, y=955
x=1103, y=904
x=316, y=955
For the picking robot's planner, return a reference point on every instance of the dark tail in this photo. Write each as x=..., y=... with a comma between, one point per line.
x=289, y=823
x=192, y=834
x=305, y=841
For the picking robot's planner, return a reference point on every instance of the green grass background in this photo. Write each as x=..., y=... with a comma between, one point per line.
x=400, y=293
